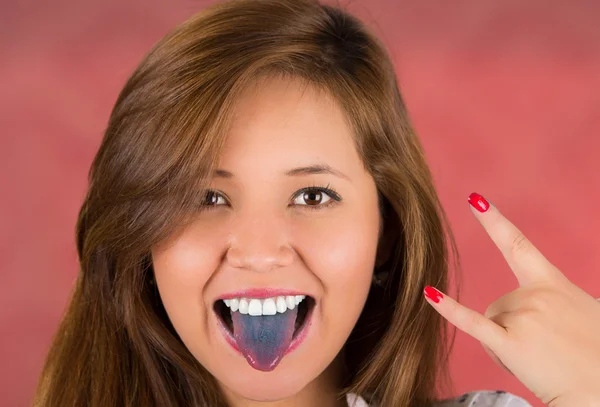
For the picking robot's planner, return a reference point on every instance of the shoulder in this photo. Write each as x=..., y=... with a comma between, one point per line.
x=485, y=398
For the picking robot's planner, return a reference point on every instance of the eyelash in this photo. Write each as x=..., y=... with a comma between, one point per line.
x=335, y=197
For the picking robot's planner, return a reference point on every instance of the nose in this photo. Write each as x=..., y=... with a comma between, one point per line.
x=259, y=243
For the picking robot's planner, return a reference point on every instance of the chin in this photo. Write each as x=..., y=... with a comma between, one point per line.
x=282, y=383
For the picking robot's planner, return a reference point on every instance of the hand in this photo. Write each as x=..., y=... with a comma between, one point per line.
x=546, y=332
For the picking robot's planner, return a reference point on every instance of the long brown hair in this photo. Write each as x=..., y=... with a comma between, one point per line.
x=115, y=345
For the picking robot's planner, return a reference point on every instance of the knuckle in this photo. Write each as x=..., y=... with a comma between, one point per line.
x=471, y=321
x=542, y=300
x=526, y=317
x=520, y=243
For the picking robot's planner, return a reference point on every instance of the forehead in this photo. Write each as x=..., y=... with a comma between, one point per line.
x=285, y=122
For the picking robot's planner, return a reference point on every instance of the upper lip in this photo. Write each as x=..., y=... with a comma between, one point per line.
x=261, y=293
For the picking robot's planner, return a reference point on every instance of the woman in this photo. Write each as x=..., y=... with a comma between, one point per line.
x=260, y=226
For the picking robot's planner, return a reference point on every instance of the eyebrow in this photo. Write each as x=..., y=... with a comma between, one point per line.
x=299, y=171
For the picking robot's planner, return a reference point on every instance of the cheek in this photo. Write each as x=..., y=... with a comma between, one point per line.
x=188, y=258
x=183, y=264
x=341, y=248
x=345, y=260
x=341, y=252
x=182, y=268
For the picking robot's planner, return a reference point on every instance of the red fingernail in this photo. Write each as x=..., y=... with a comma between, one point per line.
x=433, y=294
x=478, y=202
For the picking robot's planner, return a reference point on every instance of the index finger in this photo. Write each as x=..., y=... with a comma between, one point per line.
x=527, y=263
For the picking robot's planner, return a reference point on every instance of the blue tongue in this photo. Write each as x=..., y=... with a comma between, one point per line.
x=263, y=340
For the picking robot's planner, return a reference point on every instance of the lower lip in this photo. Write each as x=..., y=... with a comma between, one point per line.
x=296, y=342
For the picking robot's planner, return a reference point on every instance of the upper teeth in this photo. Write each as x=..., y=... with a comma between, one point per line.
x=267, y=306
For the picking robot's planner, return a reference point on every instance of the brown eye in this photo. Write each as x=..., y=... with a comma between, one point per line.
x=211, y=199
x=312, y=197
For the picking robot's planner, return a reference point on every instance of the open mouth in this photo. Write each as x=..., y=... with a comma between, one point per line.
x=301, y=305
x=264, y=330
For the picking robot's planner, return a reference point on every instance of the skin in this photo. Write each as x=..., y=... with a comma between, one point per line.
x=263, y=234
x=545, y=332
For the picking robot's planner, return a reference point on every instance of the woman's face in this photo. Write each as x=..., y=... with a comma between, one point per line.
x=295, y=267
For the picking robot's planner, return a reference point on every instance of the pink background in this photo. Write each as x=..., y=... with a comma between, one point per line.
x=505, y=95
